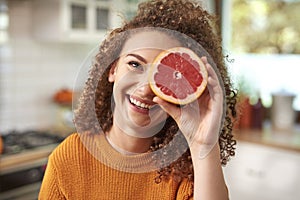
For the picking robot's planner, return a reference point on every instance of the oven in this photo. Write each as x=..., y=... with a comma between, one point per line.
x=23, y=163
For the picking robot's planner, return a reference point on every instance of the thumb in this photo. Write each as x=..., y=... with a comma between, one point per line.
x=169, y=108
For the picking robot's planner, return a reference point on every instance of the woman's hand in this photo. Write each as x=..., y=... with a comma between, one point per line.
x=201, y=120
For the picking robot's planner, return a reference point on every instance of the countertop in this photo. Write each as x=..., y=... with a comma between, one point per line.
x=25, y=159
x=285, y=139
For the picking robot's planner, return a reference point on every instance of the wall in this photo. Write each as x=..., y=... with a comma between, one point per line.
x=32, y=71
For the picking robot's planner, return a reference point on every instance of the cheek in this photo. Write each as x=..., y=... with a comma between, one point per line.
x=122, y=86
x=127, y=80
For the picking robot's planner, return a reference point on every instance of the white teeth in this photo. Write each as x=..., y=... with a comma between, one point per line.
x=139, y=104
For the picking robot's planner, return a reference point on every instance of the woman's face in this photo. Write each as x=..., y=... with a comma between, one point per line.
x=135, y=112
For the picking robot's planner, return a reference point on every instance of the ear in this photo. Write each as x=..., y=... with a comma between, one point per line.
x=112, y=73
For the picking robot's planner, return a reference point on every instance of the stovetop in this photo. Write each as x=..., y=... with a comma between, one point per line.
x=16, y=141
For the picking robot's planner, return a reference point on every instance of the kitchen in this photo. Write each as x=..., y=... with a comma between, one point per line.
x=45, y=49
x=40, y=59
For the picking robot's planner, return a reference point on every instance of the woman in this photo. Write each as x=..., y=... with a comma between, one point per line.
x=130, y=143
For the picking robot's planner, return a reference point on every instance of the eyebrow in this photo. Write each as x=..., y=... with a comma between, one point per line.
x=138, y=57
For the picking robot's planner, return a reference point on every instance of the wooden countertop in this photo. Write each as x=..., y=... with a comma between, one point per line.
x=285, y=139
x=25, y=159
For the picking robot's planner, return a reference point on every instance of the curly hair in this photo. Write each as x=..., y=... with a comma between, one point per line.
x=94, y=113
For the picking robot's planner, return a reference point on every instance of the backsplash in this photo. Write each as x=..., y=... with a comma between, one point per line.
x=32, y=71
x=30, y=74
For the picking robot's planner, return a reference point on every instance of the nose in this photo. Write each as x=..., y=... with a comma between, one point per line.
x=146, y=91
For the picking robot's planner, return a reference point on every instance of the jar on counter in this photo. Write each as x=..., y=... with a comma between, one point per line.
x=258, y=114
x=282, y=112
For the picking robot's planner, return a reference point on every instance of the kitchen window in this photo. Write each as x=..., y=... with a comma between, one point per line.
x=261, y=39
x=79, y=16
x=93, y=16
x=102, y=18
x=4, y=21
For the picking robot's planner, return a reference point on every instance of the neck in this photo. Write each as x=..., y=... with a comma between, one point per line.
x=128, y=143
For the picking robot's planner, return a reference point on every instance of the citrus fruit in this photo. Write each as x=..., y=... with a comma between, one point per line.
x=178, y=75
x=1, y=145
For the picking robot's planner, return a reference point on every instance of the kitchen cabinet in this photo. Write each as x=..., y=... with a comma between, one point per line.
x=263, y=173
x=75, y=20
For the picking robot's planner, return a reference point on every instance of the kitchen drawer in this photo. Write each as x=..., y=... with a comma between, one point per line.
x=261, y=172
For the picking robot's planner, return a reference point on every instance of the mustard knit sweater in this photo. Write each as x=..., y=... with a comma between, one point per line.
x=74, y=173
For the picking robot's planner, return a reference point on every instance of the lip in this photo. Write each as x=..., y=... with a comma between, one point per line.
x=139, y=109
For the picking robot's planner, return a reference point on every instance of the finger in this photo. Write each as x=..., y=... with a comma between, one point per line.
x=215, y=84
x=216, y=90
x=204, y=59
x=212, y=75
x=169, y=108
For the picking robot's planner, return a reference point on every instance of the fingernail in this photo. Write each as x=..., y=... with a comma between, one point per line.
x=155, y=99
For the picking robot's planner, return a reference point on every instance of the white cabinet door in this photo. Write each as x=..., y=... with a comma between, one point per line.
x=263, y=173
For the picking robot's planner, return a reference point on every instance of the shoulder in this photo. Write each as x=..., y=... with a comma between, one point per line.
x=69, y=144
x=68, y=151
x=71, y=140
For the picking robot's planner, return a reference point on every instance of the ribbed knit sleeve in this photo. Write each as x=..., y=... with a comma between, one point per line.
x=62, y=164
x=50, y=187
x=185, y=191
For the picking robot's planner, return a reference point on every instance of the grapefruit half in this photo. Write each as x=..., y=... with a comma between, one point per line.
x=178, y=75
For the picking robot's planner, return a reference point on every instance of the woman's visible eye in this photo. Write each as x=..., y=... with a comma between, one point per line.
x=135, y=65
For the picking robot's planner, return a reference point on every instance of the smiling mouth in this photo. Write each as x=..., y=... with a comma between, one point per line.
x=139, y=104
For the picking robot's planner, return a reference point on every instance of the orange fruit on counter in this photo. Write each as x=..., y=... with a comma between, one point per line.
x=1, y=145
x=63, y=96
x=178, y=76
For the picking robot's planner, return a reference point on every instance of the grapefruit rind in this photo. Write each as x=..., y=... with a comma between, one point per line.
x=190, y=97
